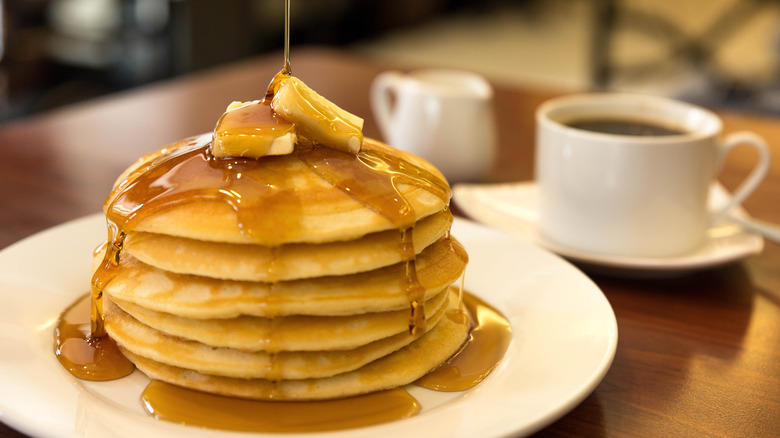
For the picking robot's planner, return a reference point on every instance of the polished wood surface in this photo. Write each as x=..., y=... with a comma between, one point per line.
x=698, y=355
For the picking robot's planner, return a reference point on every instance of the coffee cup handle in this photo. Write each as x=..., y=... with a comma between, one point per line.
x=384, y=91
x=754, y=178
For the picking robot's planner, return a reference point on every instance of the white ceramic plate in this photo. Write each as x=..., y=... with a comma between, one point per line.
x=564, y=340
x=513, y=208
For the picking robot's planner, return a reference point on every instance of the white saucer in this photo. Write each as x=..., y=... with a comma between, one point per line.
x=512, y=208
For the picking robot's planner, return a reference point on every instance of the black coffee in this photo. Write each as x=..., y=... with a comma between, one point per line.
x=624, y=127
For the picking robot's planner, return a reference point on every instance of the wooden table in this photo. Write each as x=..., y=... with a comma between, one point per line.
x=697, y=355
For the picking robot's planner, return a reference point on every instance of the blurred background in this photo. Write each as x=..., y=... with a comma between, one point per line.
x=721, y=53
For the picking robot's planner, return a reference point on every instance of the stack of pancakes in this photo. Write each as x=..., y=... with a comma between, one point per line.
x=306, y=297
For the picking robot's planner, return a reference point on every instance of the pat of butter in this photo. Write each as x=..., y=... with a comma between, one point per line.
x=256, y=129
x=252, y=130
x=317, y=118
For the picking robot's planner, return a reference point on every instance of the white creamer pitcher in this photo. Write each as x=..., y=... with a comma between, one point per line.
x=444, y=116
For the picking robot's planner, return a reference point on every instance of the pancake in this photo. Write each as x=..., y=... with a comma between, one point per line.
x=287, y=262
x=293, y=204
x=193, y=296
x=145, y=341
x=289, y=333
x=397, y=369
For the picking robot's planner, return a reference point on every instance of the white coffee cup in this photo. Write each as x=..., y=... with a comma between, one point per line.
x=444, y=116
x=633, y=195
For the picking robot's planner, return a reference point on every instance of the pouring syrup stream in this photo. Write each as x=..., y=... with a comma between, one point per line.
x=286, y=69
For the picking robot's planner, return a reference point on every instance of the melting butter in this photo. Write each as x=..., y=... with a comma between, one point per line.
x=252, y=130
x=271, y=126
x=317, y=118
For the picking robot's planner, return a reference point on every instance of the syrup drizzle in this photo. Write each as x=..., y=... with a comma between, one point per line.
x=287, y=69
x=373, y=178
